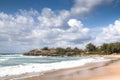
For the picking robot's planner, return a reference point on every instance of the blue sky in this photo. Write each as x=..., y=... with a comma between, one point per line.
x=14, y=5
x=30, y=24
x=106, y=12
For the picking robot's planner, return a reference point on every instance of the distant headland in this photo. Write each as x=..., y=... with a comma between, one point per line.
x=91, y=49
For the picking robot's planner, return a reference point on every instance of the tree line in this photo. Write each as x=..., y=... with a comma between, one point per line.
x=111, y=48
x=106, y=48
x=90, y=49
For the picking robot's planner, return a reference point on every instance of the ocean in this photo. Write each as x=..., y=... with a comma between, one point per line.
x=17, y=64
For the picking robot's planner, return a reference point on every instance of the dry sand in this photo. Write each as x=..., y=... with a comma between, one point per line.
x=95, y=71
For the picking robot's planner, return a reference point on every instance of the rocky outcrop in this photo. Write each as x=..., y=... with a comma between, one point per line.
x=54, y=52
x=38, y=52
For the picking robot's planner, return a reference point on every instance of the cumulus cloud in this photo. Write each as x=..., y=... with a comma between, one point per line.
x=26, y=30
x=56, y=37
x=85, y=6
x=22, y=31
x=109, y=34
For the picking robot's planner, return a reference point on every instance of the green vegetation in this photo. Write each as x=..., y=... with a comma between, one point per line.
x=111, y=48
x=45, y=48
x=90, y=47
x=68, y=51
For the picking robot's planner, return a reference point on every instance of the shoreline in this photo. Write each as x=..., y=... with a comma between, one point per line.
x=75, y=73
x=84, y=72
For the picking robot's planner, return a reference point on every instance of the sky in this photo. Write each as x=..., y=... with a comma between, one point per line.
x=31, y=24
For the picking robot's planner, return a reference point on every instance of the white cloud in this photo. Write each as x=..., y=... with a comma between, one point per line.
x=48, y=18
x=74, y=23
x=26, y=30
x=109, y=34
x=85, y=6
x=54, y=36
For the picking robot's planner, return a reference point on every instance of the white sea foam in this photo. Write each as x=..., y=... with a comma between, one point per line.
x=32, y=56
x=5, y=58
x=1, y=60
x=29, y=68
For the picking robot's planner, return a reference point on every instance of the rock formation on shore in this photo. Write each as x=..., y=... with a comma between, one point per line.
x=91, y=49
x=53, y=52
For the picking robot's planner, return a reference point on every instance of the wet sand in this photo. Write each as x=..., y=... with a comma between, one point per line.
x=109, y=70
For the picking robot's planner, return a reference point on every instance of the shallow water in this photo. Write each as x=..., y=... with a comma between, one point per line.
x=18, y=64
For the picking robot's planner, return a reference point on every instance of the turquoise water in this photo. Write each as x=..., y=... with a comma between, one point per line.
x=18, y=64
x=13, y=60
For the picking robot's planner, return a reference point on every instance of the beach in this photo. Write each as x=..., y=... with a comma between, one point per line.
x=92, y=71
